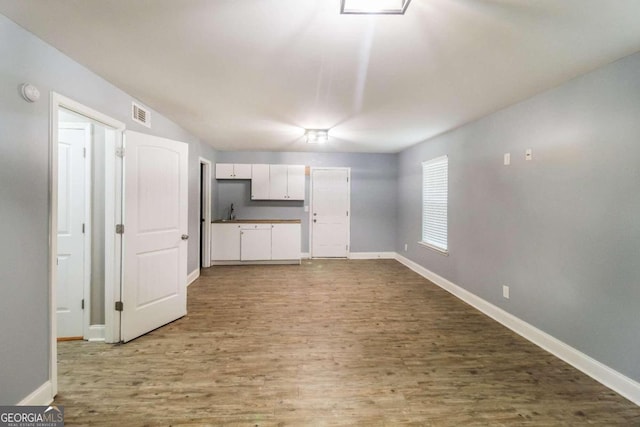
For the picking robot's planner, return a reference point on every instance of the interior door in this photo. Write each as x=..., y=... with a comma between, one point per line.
x=330, y=213
x=72, y=140
x=155, y=233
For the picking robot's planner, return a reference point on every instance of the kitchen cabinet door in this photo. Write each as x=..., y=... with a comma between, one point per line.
x=295, y=182
x=278, y=182
x=259, y=182
x=224, y=171
x=225, y=242
x=285, y=241
x=255, y=243
x=242, y=171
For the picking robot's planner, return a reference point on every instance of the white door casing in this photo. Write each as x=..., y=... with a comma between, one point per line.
x=330, y=210
x=73, y=262
x=155, y=233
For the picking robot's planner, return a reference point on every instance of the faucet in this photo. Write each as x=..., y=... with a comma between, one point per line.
x=232, y=215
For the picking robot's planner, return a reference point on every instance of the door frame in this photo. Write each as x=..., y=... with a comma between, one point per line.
x=86, y=279
x=113, y=267
x=205, y=239
x=311, y=207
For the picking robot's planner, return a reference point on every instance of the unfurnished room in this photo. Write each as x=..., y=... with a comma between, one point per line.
x=320, y=212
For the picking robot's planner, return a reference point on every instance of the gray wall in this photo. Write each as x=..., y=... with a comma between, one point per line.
x=562, y=230
x=24, y=206
x=373, y=187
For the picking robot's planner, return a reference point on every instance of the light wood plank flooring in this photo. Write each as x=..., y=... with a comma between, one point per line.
x=328, y=343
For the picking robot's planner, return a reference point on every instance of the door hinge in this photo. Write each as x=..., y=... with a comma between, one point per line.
x=84, y=152
x=347, y=213
x=347, y=179
x=83, y=228
x=120, y=151
x=119, y=306
x=82, y=304
x=119, y=228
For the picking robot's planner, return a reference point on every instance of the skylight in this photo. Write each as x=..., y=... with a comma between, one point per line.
x=374, y=7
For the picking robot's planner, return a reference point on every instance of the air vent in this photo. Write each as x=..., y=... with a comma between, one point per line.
x=141, y=115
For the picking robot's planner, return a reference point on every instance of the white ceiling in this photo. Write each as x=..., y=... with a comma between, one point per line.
x=251, y=74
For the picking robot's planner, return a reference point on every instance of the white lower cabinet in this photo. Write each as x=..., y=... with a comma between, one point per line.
x=239, y=243
x=255, y=243
x=285, y=241
x=225, y=242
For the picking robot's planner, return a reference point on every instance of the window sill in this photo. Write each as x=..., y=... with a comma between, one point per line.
x=434, y=248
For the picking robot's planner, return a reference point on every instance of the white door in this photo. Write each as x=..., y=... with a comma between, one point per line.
x=71, y=272
x=330, y=213
x=155, y=233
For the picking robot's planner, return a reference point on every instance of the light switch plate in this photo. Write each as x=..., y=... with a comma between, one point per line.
x=507, y=159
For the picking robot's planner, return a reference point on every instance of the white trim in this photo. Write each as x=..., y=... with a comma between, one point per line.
x=305, y=255
x=610, y=378
x=191, y=277
x=55, y=102
x=311, y=169
x=96, y=333
x=372, y=255
x=434, y=248
x=41, y=396
x=205, y=244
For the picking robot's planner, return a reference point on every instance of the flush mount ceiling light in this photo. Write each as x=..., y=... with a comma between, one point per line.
x=317, y=136
x=374, y=7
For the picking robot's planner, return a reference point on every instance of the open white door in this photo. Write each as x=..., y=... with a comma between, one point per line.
x=71, y=256
x=330, y=205
x=154, y=287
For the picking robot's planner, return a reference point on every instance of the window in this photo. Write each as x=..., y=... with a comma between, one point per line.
x=435, y=175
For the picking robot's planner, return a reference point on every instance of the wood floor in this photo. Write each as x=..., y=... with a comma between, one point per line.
x=366, y=343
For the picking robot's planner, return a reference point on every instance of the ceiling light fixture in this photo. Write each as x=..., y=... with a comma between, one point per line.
x=317, y=136
x=374, y=7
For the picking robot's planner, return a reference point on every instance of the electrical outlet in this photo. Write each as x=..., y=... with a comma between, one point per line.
x=306, y=208
x=505, y=291
x=528, y=154
x=507, y=159
x=406, y=247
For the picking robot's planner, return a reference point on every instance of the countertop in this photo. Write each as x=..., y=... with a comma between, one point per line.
x=256, y=221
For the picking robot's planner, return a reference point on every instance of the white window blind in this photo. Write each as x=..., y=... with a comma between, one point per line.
x=435, y=175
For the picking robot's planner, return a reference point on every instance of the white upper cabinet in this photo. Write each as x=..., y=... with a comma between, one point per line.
x=278, y=182
x=233, y=171
x=295, y=182
x=286, y=182
x=268, y=182
x=259, y=182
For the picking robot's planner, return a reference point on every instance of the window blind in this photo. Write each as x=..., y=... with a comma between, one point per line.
x=435, y=174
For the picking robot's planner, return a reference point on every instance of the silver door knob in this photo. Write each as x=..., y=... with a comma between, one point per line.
x=185, y=236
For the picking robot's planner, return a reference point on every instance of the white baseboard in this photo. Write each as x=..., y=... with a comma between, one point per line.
x=191, y=277
x=605, y=375
x=41, y=396
x=372, y=255
x=305, y=255
x=96, y=333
